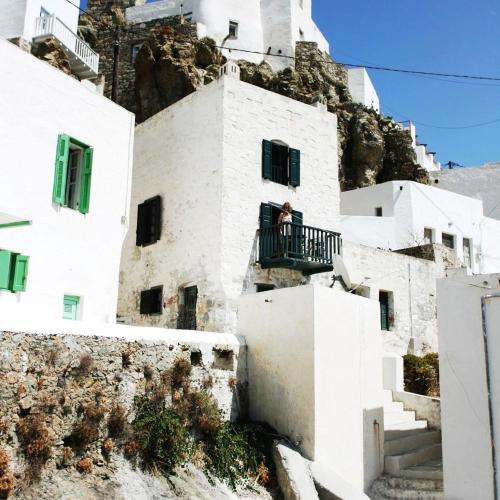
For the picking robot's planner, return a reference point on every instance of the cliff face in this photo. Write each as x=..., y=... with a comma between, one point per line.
x=173, y=63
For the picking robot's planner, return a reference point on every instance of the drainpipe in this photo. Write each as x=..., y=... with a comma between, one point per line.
x=484, y=313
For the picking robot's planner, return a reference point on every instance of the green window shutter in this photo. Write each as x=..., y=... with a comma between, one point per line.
x=267, y=159
x=19, y=274
x=70, y=308
x=294, y=167
x=61, y=169
x=86, y=181
x=5, y=265
x=297, y=217
x=266, y=215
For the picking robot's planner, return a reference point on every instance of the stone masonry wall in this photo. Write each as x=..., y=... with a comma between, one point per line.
x=60, y=381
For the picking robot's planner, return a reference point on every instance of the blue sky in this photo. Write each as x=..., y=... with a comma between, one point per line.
x=445, y=36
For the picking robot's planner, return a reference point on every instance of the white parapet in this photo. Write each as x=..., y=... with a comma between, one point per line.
x=362, y=89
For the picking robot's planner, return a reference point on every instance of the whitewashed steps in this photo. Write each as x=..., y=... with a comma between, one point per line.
x=396, y=465
x=389, y=488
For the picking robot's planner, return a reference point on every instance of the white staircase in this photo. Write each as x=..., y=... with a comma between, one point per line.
x=413, y=457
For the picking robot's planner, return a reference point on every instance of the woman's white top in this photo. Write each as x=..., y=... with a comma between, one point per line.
x=287, y=218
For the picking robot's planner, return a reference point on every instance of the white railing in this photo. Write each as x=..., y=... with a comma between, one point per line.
x=53, y=26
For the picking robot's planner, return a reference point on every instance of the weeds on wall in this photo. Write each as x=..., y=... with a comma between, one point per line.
x=421, y=374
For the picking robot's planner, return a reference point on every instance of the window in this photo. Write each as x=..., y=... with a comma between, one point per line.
x=152, y=301
x=134, y=50
x=149, y=222
x=386, y=310
x=13, y=271
x=187, y=310
x=73, y=172
x=467, y=252
x=301, y=35
x=71, y=307
x=233, y=29
x=262, y=287
x=448, y=240
x=378, y=211
x=280, y=163
x=428, y=235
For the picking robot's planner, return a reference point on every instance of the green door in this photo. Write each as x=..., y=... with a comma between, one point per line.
x=71, y=304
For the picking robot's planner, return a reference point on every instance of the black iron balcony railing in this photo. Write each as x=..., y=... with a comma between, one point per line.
x=295, y=246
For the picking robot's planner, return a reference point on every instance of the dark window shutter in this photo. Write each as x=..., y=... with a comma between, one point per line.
x=297, y=217
x=145, y=301
x=152, y=301
x=266, y=215
x=267, y=156
x=155, y=219
x=142, y=221
x=294, y=167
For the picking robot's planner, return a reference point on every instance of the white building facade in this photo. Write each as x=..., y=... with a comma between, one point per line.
x=65, y=204
x=262, y=26
x=201, y=171
x=402, y=214
x=362, y=89
x=29, y=22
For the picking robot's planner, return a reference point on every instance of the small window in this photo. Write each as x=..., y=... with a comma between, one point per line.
x=149, y=222
x=448, y=240
x=187, y=310
x=73, y=172
x=467, y=252
x=71, y=307
x=378, y=211
x=262, y=287
x=386, y=300
x=428, y=235
x=152, y=301
x=280, y=163
x=134, y=50
x=13, y=271
x=233, y=29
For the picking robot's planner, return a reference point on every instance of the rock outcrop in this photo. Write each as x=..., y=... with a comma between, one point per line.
x=173, y=63
x=51, y=51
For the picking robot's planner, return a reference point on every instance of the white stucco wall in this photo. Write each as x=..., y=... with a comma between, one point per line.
x=413, y=284
x=261, y=24
x=340, y=366
x=416, y=206
x=203, y=155
x=17, y=17
x=70, y=253
x=467, y=445
x=362, y=89
x=478, y=182
x=378, y=232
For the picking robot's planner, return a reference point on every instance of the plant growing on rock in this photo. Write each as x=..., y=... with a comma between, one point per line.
x=86, y=431
x=421, y=374
x=117, y=422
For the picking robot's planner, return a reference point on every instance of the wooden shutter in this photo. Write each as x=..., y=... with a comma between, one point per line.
x=61, y=169
x=266, y=215
x=297, y=217
x=19, y=274
x=86, y=180
x=155, y=219
x=294, y=177
x=298, y=237
x=5, y=265
x=267, y=159
x=142, y=220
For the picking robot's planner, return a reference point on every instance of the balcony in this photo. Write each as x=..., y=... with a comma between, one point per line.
x=294, y=246
x=83, y=60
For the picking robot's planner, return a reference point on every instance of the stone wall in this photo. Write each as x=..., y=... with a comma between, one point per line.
x=58, y=382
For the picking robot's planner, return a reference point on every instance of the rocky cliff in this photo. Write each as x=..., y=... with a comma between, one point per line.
x=173, y=62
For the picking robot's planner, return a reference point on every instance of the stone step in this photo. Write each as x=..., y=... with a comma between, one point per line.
x=392, y=417
x=394, y=464
x=410, y=442
x=431, y=470
x=386, y=488
x=398, y=427
x=393, y=406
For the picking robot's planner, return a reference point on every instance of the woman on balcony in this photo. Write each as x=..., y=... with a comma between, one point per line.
x=285, y=221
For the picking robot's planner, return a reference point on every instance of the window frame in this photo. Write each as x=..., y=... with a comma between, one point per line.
x=453, y=240
x=146, y=301
x=149, y=225
x=14, y=271
x=287, y=169
x=76, y=302
x=234, y=27
x=389, y=316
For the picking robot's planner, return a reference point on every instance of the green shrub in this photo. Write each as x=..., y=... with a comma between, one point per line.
x=163, y=441
x=234, y=454
x=421, y=374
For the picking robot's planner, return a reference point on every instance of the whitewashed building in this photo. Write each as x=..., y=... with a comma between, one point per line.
x=469, y=369
x=206, y=171
x=362, y=89
x=29, y=22
x=64, y=195
x=256, y=27
x=401, y=214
